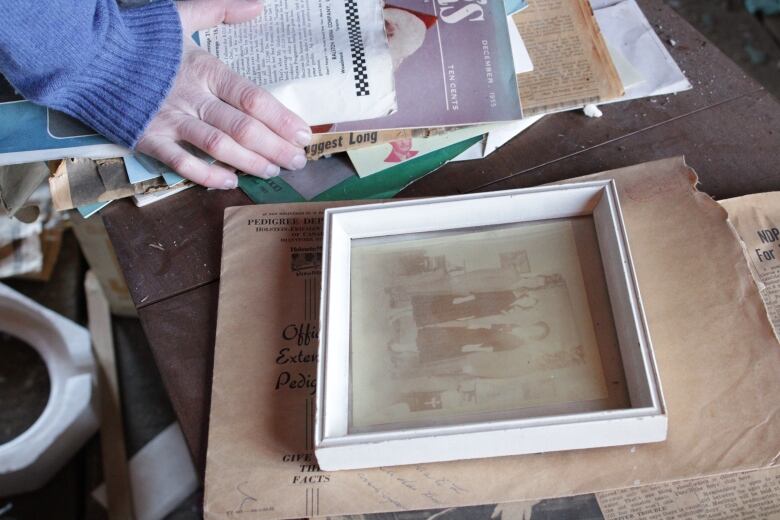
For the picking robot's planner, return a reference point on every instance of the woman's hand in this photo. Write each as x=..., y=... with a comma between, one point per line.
x=230, y=118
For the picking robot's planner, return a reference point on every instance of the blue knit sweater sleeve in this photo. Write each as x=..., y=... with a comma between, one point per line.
x=111, y=68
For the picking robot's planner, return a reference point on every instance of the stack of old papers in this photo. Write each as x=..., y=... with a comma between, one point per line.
x=565, y=55
x=392, y=90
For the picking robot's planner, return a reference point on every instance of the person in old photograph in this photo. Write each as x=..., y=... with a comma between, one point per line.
x=438, y=308
x=461, y=326
x=441, y=343
x=505, y=364
x=461, y=282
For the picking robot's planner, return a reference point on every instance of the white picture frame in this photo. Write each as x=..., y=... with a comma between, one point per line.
x=338, y=445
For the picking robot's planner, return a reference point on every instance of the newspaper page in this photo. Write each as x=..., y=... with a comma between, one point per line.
x=572, y=65
x=749, y=495
x=260, y=463
x=757, y=221
x=302, y=50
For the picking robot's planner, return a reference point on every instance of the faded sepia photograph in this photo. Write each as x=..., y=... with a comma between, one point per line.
x=471, y=322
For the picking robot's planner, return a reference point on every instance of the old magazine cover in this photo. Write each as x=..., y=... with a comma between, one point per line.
x=452, y=63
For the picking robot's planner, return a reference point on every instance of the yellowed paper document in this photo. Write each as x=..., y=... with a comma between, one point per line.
x=572, y=65
x=757, y=221
x=84, y=181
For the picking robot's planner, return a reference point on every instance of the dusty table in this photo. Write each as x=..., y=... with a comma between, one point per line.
x=728, y=127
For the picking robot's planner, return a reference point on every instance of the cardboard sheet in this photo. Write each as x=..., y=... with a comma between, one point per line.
x=718, y=360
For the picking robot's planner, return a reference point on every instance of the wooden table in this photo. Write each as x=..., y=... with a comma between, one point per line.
x=728, y=127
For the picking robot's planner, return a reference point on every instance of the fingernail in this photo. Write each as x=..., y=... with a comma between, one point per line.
x=272, y=170
x=230, y=183
x=303, y=137
x=298, y=162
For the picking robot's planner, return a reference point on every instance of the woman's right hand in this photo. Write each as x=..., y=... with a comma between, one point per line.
x=230, y=118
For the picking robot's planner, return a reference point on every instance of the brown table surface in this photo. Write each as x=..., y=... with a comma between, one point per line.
x=728, y=127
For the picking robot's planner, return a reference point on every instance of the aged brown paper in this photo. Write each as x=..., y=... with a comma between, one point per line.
x=572, y=66
x=701, y=304
x=84, y=181
x=757, y=221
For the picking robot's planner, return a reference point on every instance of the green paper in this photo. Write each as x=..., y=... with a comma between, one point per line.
x=387, y=184
x=383, y=185
x=271, y=191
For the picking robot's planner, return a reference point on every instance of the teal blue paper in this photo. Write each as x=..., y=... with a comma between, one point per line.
x=87, y=210
x=513, y=6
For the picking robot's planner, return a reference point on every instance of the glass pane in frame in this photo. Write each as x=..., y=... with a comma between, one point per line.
x=478, y=324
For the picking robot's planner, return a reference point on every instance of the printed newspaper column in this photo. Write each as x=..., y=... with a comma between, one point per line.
x=736, y=496
x=572, y=65
x=302, y=50
x=757, y=221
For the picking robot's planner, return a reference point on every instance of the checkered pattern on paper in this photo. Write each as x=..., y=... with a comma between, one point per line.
x=356, y=48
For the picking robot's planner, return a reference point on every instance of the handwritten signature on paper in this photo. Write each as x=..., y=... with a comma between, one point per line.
x=441, y=482
x=379, y=492
x=420, y=486
x=246, y=497
x=247, y=503
x=409, y=484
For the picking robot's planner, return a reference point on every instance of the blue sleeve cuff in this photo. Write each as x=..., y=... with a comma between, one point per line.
x=121, y=90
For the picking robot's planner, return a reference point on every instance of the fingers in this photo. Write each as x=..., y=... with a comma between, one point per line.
x=181, y=161
x=253, y=135
x=224, y=148
x=203, y=14
x=258, y=103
